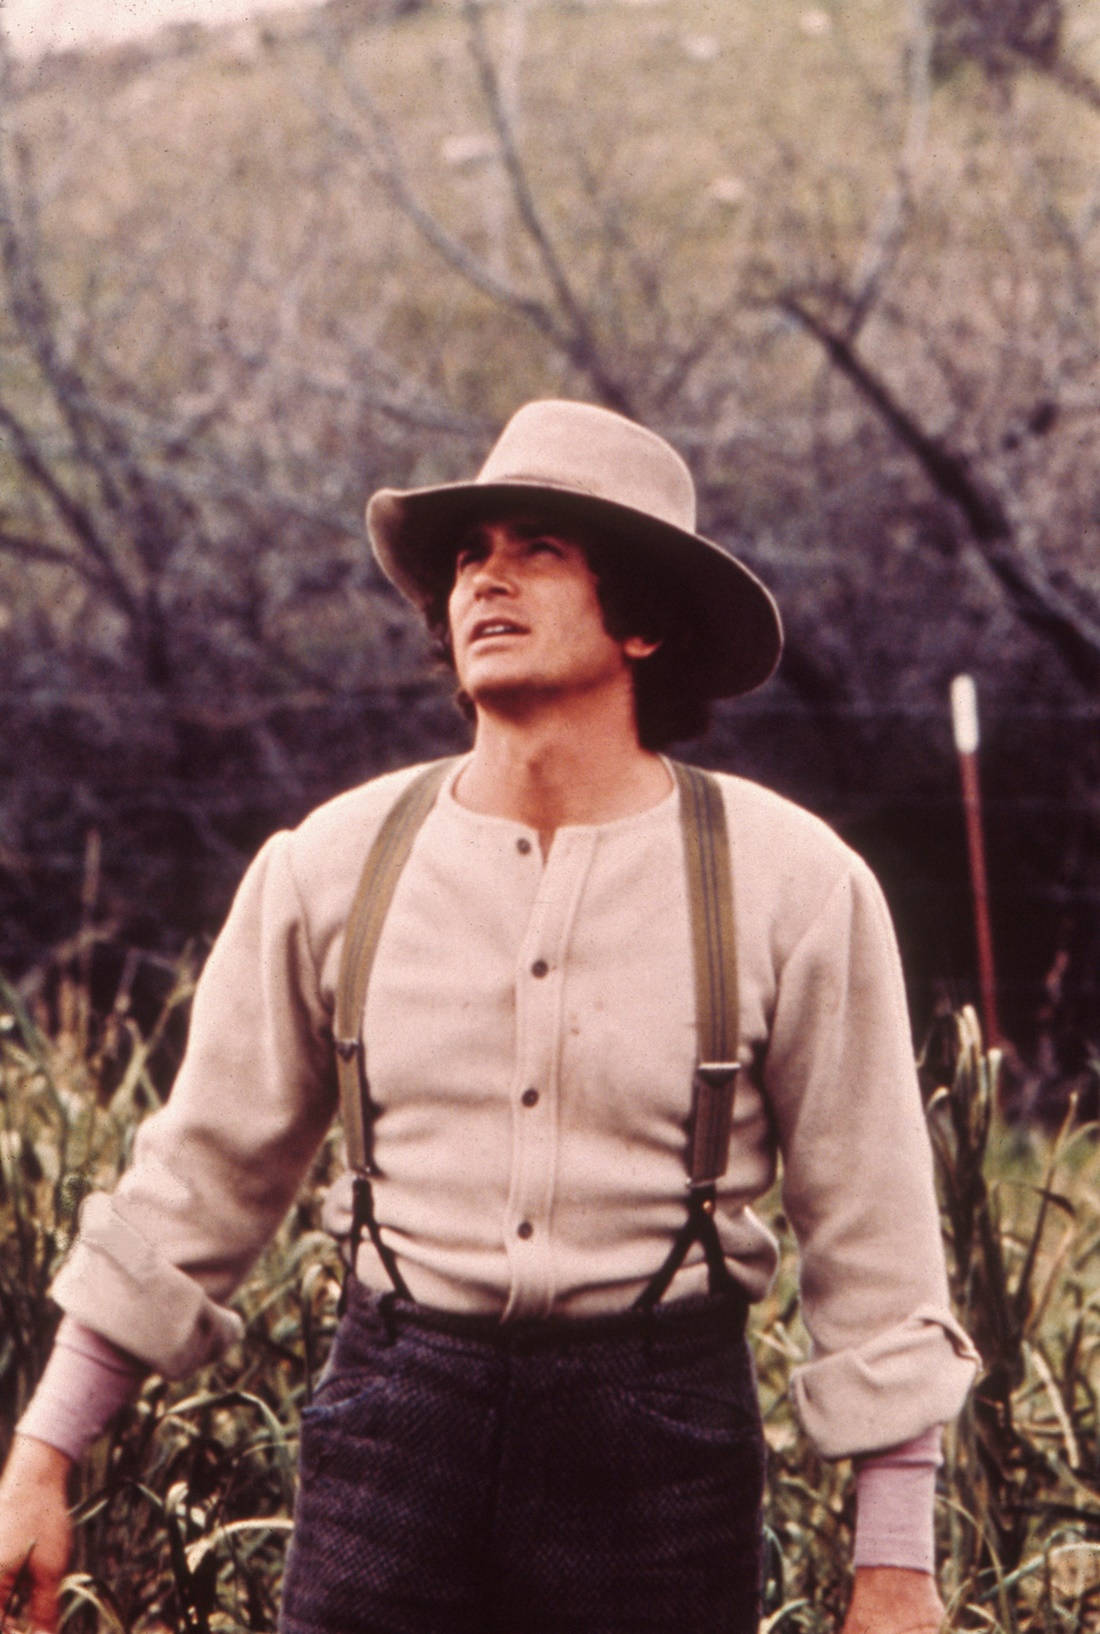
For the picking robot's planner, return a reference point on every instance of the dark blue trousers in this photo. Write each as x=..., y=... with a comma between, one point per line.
x=458, y=1476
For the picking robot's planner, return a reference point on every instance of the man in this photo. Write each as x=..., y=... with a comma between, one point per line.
x=539, y=1414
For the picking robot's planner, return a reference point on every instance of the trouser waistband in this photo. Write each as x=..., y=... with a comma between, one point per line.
x=687, y=1319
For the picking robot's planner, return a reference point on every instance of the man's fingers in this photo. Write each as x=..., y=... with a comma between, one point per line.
x=42, y=1610
x=14, y=1583
x=28, y=1597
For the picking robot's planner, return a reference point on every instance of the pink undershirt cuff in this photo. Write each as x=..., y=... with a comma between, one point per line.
x=895, y=1498
x=86, y=1381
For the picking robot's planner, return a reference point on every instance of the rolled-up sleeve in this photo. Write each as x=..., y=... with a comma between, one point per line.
x=216, y=1168
x=889, y=1360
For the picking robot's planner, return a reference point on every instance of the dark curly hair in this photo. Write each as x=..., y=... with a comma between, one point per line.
x=671, y=697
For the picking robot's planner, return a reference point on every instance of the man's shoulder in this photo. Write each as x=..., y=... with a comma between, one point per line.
x=788, y=863
x=339, y=832
x=786, y=857
x=759, y=816
x=367, y=802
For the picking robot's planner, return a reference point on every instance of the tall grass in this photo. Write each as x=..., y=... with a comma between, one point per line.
x=1022, y=1219
x=183, y=1508
x=1018, y=1514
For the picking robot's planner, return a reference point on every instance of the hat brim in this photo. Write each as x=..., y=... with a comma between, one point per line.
x=415, y=533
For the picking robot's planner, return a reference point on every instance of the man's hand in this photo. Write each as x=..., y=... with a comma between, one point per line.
x=892, y=1600
x=35, y=1532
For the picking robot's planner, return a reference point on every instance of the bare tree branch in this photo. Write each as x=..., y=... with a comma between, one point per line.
x=1076, y=81
x=23, y=548
x=1075, y=635
x=31, y=311
x=571, y=335
x=389, y=169
x=582, y=347
x=949, y=471
x=76, y=517
x=895, y=213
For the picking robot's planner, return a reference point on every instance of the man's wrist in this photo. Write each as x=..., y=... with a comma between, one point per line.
x=893, y=1600
x=34, y=1462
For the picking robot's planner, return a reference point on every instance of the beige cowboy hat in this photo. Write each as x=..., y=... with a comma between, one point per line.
x=585, y=466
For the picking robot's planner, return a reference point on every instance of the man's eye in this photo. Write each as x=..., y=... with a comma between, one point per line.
x=468, y=556
x=550, y=546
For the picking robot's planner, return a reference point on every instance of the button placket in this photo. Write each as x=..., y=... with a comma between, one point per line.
x=533, y=1143
x=540, y=975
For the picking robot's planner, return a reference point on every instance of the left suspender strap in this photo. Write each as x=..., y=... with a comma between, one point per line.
x=714, y=957
x=366, y=917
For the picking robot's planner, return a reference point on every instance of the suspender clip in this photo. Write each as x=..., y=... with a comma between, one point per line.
x=718, y=1072
x=346, y=1048
x=360, y=1211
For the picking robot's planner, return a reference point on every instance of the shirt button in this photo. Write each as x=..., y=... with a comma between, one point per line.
x=523, y=847
x=525, y=1229
x=540, y=968
x=530, y=1097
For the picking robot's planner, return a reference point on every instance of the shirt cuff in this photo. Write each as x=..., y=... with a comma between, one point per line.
x=117, y=1282
x=86, y=1381
x=889, y=1389
x=895, y=1496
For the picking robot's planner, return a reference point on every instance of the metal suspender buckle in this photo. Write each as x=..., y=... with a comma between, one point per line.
x=360, y=1213
x=711, y=1121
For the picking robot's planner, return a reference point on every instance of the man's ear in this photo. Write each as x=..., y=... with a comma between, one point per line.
x=636, y=646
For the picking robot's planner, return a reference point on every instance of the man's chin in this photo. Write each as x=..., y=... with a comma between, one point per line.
x=514, y=699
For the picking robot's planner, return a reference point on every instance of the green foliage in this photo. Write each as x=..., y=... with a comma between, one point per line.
x=1018, y=1520
x=184, y=1506
x=1022, y=1220
x=69, y=1104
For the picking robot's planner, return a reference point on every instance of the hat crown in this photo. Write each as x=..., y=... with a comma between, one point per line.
x=590, y=450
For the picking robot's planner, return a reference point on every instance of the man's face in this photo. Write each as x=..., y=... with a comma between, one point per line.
x=525, y=617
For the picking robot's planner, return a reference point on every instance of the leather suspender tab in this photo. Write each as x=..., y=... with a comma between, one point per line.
x=712, y=1120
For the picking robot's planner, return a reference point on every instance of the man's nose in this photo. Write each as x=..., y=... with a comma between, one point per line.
x=493, y=574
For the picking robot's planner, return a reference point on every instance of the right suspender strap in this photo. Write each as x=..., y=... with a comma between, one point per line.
x=377, y=882
x=714, y=955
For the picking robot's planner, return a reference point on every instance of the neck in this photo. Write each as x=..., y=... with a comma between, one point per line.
x=544, y=775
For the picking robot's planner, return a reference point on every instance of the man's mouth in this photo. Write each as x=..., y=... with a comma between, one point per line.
x=487, y=628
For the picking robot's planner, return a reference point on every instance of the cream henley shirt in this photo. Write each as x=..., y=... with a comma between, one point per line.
x=530, y=1040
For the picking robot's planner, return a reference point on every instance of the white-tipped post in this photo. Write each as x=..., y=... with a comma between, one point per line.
x=964, y=718
x=964, y=714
